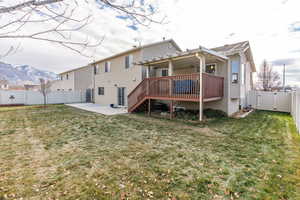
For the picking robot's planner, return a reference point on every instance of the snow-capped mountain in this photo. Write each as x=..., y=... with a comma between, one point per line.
x=21, y=74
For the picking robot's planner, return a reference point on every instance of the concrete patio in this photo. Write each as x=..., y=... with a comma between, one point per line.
x=105, y=110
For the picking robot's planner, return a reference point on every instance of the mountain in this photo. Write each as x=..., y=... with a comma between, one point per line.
x=20, y=74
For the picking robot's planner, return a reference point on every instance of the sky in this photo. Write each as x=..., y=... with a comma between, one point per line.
x=271, y=26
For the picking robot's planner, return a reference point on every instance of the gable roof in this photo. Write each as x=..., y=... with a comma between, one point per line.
x=139, y=48
x=129, y=51
x=232, y=49
x=167, y=57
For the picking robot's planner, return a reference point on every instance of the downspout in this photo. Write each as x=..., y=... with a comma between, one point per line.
x=94, y=85
x=201, y=64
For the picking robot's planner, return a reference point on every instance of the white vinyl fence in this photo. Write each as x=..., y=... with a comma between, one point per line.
x=11, y=97
x=295, y=111
x=273, y=101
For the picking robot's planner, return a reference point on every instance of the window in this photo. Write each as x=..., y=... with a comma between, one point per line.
x=100, y=90
x=61, y=77
x=210, y=68
x=128, y=61
x=235, y=71
x=164, y=72
x=96, y=69
x=107, y=66
x=58, y=89
x=235, y=77
x=67, y=76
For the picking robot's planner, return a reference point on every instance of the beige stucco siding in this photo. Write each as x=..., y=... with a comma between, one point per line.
x=155, y=51
x=233, y=106
x=158, y=50
x=117, y=77
x=84, y=78
x=222, y=70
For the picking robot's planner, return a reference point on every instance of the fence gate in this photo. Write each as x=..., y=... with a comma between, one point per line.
x=274, y=101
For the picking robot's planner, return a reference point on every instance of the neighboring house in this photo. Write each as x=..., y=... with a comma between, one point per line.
x=32, y=87
x=16, y=87
x=80, y=79
x=226, y=74
x=117, y=76
x=4, y=85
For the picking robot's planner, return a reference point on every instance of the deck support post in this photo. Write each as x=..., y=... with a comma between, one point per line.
x=148, y=72
x=201, y=67
x=171, y=68
x=149, y=107
x=171, y=109
x=170, y=73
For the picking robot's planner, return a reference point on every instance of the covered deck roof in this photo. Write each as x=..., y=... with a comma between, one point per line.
x=188, y=56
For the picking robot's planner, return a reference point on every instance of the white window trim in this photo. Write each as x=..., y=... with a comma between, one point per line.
x=161, y=72
x=108, y=66
x=215, y=64
x=130, y=57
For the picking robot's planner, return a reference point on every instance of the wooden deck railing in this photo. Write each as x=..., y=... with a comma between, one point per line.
x=181, y=88
x=213, y=86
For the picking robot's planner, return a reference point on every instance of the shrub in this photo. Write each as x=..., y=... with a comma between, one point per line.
x=211, y=113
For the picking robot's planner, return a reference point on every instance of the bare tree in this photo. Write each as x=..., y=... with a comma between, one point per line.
x=268, y=79
x=55, y=21
x=45, y=89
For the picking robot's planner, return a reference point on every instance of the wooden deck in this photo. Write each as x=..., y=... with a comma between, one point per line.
x=177, y=88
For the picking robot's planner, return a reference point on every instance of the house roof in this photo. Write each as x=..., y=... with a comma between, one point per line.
x=182, y=54
x=139, y=48
x=129, y=51
x=232, y=49
x=3, y=82
x=229, y=49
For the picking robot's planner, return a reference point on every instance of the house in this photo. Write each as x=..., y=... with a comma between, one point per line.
x=79, y=79
x=4, y=85
x=32, y=87
x=218, y=78
x=16, y=87
x=118, y=75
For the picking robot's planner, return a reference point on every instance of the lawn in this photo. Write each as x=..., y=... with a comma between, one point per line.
x=66, y=153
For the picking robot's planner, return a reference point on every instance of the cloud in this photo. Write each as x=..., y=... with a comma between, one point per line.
x=295, y=27
x=295, y=51
x=286, y=61
x=272, y=32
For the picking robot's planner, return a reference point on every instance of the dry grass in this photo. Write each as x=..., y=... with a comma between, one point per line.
x=65, y=153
